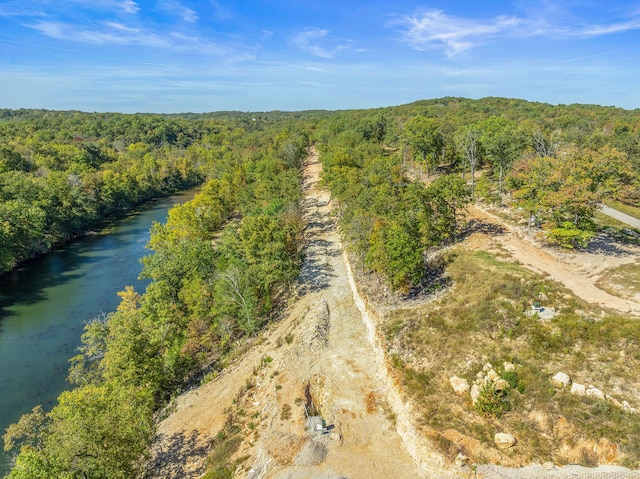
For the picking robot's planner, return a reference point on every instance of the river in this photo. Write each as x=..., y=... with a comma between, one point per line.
x=45, y=304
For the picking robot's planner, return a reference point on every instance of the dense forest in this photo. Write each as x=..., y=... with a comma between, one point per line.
x=223, y=264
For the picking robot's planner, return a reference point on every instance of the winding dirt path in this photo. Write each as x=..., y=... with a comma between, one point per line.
x=577, y=271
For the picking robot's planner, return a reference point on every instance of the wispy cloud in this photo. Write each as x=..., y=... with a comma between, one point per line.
x=118, y=33
x=309, y=41
x=104, y=33
x=19, y=9
x=433, y=29
x=129, y=7
x=610, y=29
x=174, y=7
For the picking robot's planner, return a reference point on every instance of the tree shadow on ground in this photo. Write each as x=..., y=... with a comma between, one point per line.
x=481, y=226
x=607, y=245
x=317, y=272
x=179, y=456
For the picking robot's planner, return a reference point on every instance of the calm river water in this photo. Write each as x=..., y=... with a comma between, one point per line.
x=45, y=304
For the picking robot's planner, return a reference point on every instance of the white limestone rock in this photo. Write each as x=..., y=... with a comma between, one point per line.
x=504, y=440
x=459, y=385
x=561, y=379
x=593, y=392
x=461, y=461
x=578, y=389
x=501, y=385
x=475, y=392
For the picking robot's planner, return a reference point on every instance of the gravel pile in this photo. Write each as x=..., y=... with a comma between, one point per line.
x=317, y=335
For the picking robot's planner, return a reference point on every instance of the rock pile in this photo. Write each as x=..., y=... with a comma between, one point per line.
x=318, y=336
x=564, y=380
x=488, y=374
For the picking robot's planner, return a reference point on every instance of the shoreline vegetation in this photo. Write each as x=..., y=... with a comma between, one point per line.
x=224, y=264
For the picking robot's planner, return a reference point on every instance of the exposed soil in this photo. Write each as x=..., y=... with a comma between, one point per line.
x=319, y=353
x=323, y=360
x=578, y=271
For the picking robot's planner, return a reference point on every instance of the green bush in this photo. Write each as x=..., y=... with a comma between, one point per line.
x=491, y=402
x=569, y=236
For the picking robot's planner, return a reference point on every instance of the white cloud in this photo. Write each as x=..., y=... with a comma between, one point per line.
x=105, y=33
x=433, y=29
x=598, y=30
x=129, y=7
x=174, y=7
x=308, y=41
x=20, y=9
x=31, y=8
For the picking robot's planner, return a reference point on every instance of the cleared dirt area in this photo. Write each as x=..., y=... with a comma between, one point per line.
x=318, y=357
x=323, y=360
x=578, y=271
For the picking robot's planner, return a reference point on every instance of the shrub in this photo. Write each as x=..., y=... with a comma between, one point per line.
x=492, y=402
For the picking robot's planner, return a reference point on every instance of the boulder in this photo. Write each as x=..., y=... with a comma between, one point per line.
x=578, y=389
x=461, y=460
x=459, y=385
x=492, y=375
x=501, y=385
x=504, y=440
x=475, y=392
x=561, y=379
x=508, y=367
x=594, y=392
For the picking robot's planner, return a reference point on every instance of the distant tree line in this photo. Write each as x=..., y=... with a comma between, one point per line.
x=557, y=163
x=61, y=172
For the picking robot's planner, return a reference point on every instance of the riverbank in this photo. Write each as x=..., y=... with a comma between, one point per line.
x=97, y=226
x=45, y=303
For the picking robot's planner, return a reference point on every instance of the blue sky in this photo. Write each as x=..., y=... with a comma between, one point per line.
x=209, y=55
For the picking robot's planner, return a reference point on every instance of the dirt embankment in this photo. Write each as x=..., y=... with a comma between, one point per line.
x=326, y=359
x=319, y=357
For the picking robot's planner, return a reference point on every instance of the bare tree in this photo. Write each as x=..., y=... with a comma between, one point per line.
x=542, y=145
x=240, y=294
x=469, y=145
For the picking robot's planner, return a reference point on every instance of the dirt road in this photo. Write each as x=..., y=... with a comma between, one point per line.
x=577, y=271
x=318, y=354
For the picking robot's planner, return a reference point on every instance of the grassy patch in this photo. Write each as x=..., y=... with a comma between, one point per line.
x=286, y=412
x=623, y=281
x=220, y=462
x=487, y=318
x=625, y=208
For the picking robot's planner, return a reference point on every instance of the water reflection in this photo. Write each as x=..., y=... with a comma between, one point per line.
x=45, y=304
